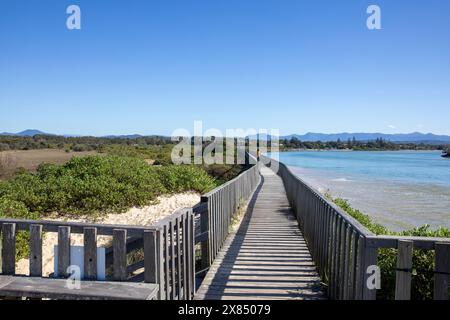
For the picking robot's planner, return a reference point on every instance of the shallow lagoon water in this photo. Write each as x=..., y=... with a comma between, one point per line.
x=400, y=189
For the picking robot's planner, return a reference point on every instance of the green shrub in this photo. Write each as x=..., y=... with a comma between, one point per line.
x=13, y=209
x=160, y=154
x=423, y=260
x=183, y=178
x=93, y=185
x=17, y=210
x=364, y=219
x=81, y=148
x=101, y=184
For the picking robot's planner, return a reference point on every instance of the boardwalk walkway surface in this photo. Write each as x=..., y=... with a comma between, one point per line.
x=267, y=258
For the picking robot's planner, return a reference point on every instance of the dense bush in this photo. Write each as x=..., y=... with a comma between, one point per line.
x=93, y=185
x=423, y=260
x=179, y=178
x=99, y=184
x=82, y=147
x=160, y=154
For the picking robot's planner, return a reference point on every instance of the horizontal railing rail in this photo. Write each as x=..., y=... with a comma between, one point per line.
x=343, y=249
x=76, y=227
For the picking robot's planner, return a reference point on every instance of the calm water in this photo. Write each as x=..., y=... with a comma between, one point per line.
x=399, y=189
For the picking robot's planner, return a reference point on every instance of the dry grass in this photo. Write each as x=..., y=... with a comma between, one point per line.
x=7, y=165
x=10, y=161
x=236, y=219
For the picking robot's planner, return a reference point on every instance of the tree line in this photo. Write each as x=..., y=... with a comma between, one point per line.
x=75, y=143
x=353, y=144
x=88, y=143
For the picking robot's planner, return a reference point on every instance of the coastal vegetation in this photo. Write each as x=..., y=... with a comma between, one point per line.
x=151, y=145
x=24, y=153
x=76, y=144
x=378, y=144
x=99, y=184
x=93, y=176
x=93, y=186
x=423, y=260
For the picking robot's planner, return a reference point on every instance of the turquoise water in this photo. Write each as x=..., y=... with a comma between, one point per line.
x=401, y=189
x=415, y=167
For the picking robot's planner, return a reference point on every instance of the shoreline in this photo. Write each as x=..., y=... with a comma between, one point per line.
x=351, y=150
x=419, y=205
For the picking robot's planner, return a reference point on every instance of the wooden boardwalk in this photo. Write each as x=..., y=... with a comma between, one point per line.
x=267, y=258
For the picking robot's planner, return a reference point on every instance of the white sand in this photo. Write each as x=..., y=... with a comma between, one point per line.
x=145, y=216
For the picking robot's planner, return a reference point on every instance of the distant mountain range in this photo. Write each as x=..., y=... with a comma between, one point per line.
x=33, y=132
x=25, y=133
x=128, y=136
x=310, y=136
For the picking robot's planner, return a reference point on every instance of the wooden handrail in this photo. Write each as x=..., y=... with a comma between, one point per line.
x=76, y=227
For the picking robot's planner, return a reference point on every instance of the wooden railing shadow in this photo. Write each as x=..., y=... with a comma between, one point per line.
x=224, y=270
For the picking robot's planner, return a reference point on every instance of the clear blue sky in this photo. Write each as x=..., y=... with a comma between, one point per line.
x=152, y=66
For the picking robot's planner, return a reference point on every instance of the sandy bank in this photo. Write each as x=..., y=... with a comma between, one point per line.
x=135, y=216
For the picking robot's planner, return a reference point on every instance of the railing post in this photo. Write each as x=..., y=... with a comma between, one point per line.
x=442, y=273
x=35, y=256
x=9, y=248
x=63, y=251
x=403, y=274
x=160, y=263
x=191, y=225
x=347, y=247
x=120, y=254
x=359, y=268
x=153, y=267
x=352, y=270
x=90, y=253
x=370, y=259
x=205, y=226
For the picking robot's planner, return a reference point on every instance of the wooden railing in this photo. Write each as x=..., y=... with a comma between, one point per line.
x=343, y=249
x=168, y=248
x=218, y=207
